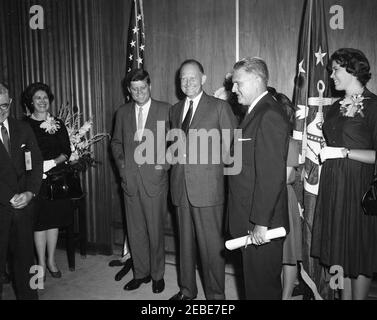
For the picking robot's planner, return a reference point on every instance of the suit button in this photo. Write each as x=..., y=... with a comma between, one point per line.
x=184, y=155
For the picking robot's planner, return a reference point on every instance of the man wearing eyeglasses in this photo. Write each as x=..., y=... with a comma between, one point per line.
x=21, y=172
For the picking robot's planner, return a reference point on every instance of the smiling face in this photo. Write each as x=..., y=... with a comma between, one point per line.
x=246, y=85
x=4, y=107
x=140, y=91
x=342, y=79
x=41, y=102
x=192, y=80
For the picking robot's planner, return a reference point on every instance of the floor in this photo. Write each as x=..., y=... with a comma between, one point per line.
x=93, y=279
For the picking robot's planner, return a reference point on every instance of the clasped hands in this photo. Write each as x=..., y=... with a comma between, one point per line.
x=258, y=236
x=331, y=153
x=21, y=200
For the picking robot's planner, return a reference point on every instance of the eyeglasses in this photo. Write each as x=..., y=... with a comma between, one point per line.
x=5, y=106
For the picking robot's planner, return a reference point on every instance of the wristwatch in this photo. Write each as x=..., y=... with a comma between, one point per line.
x=347, y=153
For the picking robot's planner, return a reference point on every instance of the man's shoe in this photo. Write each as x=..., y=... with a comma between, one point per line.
x=158, y=286
x=180, y=296
x=136, y=283
x=116, y=263
x=126, y=268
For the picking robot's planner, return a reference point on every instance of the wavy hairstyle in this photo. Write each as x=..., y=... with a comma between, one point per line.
x=27, y=95
x=354, y=61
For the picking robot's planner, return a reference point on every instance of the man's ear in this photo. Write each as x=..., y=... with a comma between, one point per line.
x=128, y=89
x=204, y=79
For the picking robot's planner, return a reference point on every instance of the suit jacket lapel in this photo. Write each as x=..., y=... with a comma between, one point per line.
x=247, y=119
x=131, y=120
x=200, y=111
x=151, y=117
x=179, y=114
x=13, y=136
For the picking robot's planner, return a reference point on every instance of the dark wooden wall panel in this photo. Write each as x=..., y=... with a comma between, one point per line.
x=179, y=30
x=360, y=31
x=270, y=30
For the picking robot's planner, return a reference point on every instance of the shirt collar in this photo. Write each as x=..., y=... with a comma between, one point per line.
x=256, y=101
x=195, y=100
x=146, y=106
x=6, y=124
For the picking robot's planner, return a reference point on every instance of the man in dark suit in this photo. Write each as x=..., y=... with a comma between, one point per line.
x=258, y=194
x=145, y=185
x=197, y=188
x=21, y=172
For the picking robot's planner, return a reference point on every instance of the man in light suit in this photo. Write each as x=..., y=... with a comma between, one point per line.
x=258, y=195
x=19, y=183
x=145, y=185
x=197, y=189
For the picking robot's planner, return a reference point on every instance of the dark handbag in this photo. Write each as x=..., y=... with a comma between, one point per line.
x=369, y=199
x=63, y=183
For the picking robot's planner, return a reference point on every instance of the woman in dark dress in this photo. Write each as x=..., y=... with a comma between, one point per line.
x=342, y=234
x=54, y=144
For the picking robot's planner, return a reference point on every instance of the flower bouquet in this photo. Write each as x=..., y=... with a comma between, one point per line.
x=81, y=145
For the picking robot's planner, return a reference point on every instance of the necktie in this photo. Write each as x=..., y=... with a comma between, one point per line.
x=140, y=122
x=4, y=133
x=186, y=121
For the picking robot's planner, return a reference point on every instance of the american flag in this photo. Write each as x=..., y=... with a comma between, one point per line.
x=136, y=38
x=310, y=98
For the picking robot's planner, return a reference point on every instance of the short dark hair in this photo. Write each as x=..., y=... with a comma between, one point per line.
x=27, y=95
x=138, y=75
x=354, y=61
x=192, y=61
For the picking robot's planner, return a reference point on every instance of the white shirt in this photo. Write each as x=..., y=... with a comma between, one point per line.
x=195, y=103
x=144, y=111
x=256, y=101
x=6, y=125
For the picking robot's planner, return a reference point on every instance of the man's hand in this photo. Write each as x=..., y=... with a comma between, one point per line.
x=259, y=235
x=20, y=201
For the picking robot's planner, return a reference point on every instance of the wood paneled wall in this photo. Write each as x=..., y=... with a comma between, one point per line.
x=81, y=53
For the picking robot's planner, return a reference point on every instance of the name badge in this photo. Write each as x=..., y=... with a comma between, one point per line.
x=28, y=164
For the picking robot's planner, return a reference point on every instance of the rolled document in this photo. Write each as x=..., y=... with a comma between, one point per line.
x=241, y=242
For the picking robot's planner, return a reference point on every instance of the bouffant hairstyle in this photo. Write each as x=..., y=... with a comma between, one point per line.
x=354, y=61
x=27, y=95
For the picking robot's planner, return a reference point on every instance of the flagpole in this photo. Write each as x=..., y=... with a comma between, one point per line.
x=304, y=137
x=237, y=3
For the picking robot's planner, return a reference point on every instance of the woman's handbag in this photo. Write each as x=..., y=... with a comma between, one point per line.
x=369, y=200
x=63, y=183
